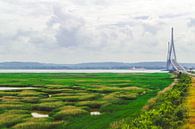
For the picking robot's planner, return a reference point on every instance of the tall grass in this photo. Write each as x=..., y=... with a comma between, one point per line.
x=168, y=112
x=68, y=112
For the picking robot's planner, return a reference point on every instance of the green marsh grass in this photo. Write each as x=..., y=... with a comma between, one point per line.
x=39, y=123
x=48, y=106
x=68, y=112
x=69, y=98
x=10, y=118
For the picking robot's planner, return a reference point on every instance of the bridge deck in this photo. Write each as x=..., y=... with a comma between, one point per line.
x=177, y=67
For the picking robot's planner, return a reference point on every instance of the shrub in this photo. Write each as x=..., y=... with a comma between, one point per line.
x=168, y=111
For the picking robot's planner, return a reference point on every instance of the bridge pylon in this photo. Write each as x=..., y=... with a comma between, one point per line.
x=172, y=64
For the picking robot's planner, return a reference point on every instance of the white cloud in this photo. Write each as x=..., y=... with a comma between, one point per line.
x=70, y=31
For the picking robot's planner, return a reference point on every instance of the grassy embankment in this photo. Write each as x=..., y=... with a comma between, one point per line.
x=69, y=99
x=167, y=112
x=190, y=102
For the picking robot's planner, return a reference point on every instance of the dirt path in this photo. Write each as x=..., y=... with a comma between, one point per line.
x=191, y=106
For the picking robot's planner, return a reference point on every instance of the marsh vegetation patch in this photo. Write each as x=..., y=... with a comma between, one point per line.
x=73, y=101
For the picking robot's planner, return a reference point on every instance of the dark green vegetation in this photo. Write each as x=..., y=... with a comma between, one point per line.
x=169, y=111
x=69, y=98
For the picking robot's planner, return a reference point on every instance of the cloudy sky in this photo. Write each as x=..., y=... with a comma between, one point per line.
x=74, y=31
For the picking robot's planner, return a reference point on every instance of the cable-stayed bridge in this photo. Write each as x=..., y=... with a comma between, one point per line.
x=172, y=64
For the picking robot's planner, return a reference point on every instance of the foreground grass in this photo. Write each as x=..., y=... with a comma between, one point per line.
x=69, y=98
x=190, y=102
x=168, y=112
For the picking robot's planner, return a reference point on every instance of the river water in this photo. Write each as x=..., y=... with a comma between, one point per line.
x=16, y=88
x=82, y=71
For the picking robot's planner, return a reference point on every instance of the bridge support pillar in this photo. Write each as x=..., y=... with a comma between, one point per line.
x=172, y=64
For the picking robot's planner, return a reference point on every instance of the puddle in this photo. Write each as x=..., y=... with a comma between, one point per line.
x=16, y=88
x=96, y=113
x=37, y=115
